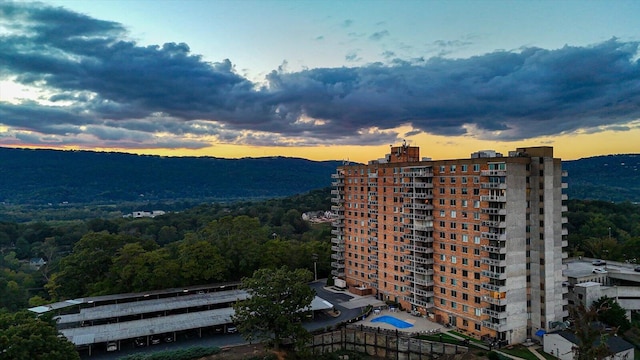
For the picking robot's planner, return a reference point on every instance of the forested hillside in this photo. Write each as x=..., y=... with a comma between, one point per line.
x=611, y=178
x=84, y=177
x=42, y=177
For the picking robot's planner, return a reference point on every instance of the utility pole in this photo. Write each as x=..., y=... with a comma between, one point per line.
x=315, y=266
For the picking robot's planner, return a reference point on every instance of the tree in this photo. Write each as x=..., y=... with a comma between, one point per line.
x=23, y=336
x=279, y=300
x=612, y=314
x=592, y=338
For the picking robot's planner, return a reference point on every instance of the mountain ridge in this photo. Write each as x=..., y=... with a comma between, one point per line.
x=42, y=176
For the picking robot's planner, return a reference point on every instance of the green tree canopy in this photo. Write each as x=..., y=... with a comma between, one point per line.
x=611, y=313
x=26, y=337
x=278, y=302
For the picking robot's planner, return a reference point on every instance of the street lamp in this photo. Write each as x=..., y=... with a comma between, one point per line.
x=315, y=266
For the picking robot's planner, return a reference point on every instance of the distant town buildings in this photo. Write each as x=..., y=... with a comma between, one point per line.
x=476, y=243
x=142, y=214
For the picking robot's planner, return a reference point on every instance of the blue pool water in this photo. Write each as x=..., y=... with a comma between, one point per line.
x=392, y=321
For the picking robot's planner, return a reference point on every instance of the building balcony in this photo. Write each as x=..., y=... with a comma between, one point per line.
x=335, y=192
x=418, y=270
x=337, y=265
x=337, y=248
x=494, y=275
x=495, y=314
x=373, y=285
x=494, y=262
x=493, y=172
x=495, y=224
x=373, y=175
x=565, y=185
x=372, y=202
x=493, y=185
x=339, y=216
x=418, y=249
x=564, y=208
x=493, y=198
x=421, y=292
x=372, y=257
x=418, y=237
x=337, y=200
x=495, y=326
x=337, y=224
x=495, y=301
x=373, y=276
x=337, y=232
x=338, y=183
x=494, y=211
x=337, y=208
x=338, y=273
x=419, y=227
x=418, y=302
x=418, y=185
x=494, y=236
x=564, y=197
x=337, y=176
x=417, y=216
x=373, y=267
x=417, y=172
x=337, y=256
x=494, y=249
x=373, y=239
x=417, y=195
x=417, y=206
x=565, y=243
x=419, y=281
x=492, y=287
x=565, y=220
x=337, y=241
x=373, y=248
x=418, y=259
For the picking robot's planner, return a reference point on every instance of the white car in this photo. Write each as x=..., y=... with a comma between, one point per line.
x=599, y=271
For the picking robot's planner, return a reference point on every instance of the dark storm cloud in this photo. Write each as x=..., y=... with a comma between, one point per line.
x=103, y=86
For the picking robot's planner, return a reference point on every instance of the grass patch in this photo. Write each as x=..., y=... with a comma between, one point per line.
x=521, y=352
x=467, y=337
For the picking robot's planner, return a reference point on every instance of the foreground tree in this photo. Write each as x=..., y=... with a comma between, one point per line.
x=592, y=338
x=611, y=313
x=23, y=336
x=278, y=302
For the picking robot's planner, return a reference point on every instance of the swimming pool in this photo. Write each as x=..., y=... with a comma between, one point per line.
x=392, y=321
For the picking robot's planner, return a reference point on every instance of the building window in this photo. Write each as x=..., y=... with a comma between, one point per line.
x=463, y=167
x=453, y=214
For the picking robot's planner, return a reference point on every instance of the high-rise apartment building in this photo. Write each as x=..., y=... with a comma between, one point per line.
x=477, y=243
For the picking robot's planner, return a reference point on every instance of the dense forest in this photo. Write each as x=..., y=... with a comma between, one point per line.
x=54, y=177
x=219, y=243
x=53, y=184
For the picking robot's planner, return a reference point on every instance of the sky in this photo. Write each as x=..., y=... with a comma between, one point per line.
x=323, y=80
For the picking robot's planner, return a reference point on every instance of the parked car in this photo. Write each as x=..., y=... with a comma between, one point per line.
x=599, y=271
x=112, y=346
x=168, y=338
x=140, y=342
x=155, y=340
x=598, y=263
x=636, y=269
x=231, y=329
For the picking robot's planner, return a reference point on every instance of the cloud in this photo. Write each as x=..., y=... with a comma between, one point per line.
x=376, y=36
x=99, y=88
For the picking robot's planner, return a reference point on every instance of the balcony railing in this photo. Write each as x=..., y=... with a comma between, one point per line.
x=494, y=275
x=337, y=232
x=494, y=262
x=494, y=211
x=494, y=249
x=337, y=256
x=493, y=198
x=417, y=195
x=495, y=224
x=417, y=302
x=419, y=249
x=493, y=185
x=492, y=287
x=418, y=173
x=337, y=265
x=337, y=176
x=337, y=207
x=418, y=270
x=494, y=326
x=420, y=292
x=338, y=241
x=339, y=273
x=419, y=281
x=417, y=206
x=494, y=236
x=418, y=185
x=495, y=314
x=419, y=227
x=493, y=172
x=337, y=248
x=418, y=259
